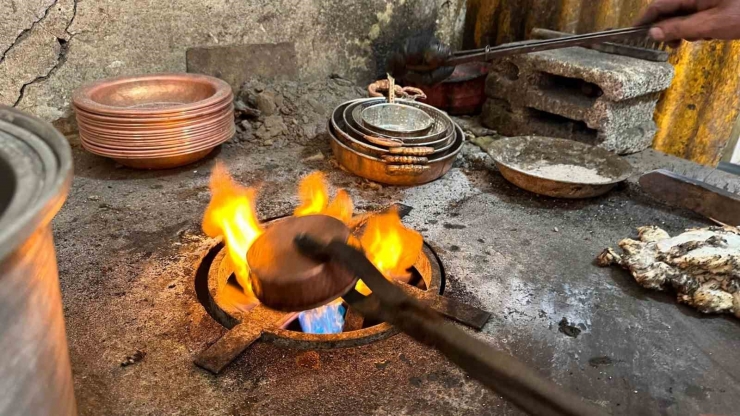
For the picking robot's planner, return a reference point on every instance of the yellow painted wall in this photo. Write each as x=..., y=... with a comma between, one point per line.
x=696, y=115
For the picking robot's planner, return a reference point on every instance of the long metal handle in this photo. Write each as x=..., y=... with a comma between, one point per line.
x=488, y=53
x=645, y=48
x=496, y=370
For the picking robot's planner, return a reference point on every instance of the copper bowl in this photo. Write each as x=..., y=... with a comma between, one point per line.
x=153, y=137
x=158, y=126
x=378, y=170
x=167, y=162
x=345, y=134
x=177, y=147
x=152, y=95
x=155, y=121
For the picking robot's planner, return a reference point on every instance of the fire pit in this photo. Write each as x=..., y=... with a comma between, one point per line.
x=224, y=289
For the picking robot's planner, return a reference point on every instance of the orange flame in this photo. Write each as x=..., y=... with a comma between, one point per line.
x=231, y=214
x=341, y=207
x=390, y=246
x=313, y=194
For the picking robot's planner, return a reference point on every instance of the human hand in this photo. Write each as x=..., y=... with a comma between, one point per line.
x=692, y=20
x=421, y=61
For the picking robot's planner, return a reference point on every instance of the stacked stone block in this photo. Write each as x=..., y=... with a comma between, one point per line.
x=577, y=93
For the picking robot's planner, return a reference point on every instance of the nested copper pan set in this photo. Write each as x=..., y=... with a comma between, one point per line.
x=155, y=121
x=380, y=151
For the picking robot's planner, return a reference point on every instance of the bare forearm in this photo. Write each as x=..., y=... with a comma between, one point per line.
x=693, y=20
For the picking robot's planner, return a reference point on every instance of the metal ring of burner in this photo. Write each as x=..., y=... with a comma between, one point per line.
x=219, y=273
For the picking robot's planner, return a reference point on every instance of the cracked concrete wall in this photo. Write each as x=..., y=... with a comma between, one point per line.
x=50, y=47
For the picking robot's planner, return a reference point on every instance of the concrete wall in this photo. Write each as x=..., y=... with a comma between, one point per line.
x=49, y=47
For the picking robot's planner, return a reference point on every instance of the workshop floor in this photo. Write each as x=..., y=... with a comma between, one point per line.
x=128, y=242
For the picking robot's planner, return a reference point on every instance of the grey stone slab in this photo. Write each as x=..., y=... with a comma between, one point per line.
x=516, y=120
x=236, y=64
x=577, y=93
x=597, y=112
x=620, y=77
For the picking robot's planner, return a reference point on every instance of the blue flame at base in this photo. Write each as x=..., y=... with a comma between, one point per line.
x=327, y=319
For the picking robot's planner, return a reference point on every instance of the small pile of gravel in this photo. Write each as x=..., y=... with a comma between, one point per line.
x=273, y=114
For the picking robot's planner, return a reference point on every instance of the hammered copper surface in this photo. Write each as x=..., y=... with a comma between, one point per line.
x=178, y=149
x=160, y=120
x=284, y=279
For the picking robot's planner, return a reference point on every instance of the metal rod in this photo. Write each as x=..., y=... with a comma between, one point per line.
x=498, y=371
x=640, y=52
x=485, y=54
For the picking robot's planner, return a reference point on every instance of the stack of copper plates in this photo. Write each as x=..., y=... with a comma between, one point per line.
x=155, y=121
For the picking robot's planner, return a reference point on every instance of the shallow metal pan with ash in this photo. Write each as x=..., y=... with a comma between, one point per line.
x=558, y=168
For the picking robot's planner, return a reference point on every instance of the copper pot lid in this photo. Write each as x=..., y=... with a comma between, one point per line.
x=286, y=280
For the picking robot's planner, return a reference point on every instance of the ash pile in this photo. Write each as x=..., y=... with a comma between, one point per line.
x=276, y=113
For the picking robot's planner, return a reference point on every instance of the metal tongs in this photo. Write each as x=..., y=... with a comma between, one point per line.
x=488, y=53
x=494, y=369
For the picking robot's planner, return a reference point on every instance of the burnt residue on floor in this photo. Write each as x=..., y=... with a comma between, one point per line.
x=129, y=243
x=597, y=362
x=568, y=329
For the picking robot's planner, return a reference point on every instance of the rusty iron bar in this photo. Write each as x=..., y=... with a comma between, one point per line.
x=488, y=53
x=457, y=311
x=498, y=371
x=353, y=320
x=700, y=197
x=233, y=343
x=640, y=50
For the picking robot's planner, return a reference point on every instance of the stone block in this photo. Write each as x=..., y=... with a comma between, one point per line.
x=602, y=99
x=236, y=64
x=519, y=121
x=619, y=77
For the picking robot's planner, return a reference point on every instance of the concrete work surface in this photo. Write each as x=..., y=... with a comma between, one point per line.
x=129, y=242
